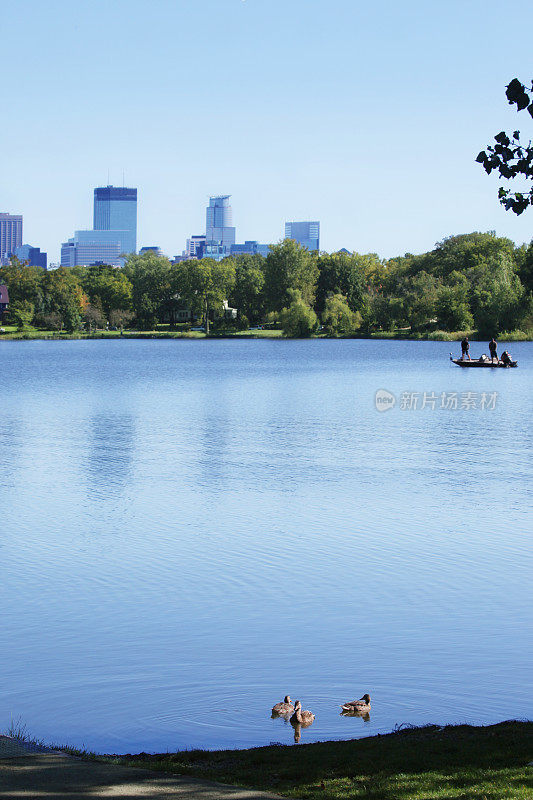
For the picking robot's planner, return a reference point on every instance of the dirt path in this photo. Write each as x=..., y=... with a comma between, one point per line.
x=56, y=776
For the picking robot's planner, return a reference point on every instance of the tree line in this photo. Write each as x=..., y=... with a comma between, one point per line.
x=475, y=281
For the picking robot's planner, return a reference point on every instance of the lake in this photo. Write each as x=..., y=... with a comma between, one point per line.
x=193, y=529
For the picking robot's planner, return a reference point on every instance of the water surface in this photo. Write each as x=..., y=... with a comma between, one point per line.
x=192, y=529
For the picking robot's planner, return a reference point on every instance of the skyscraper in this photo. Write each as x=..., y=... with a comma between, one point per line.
x=306, y=233
x=219, y=228
x=115, y=209
x=10, y=235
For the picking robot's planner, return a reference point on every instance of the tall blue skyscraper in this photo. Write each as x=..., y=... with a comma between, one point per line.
x=219, y=228
x=306, y=233
x=115, y=209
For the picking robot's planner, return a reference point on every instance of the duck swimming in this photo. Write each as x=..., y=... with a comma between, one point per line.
x=300, y=717
x=361, y=706
x=283, y=708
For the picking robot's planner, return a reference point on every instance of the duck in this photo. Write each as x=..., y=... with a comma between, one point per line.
x=286, y=707
x=300, y=717
x=361, y=706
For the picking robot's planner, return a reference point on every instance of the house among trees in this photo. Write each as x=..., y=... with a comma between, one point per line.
x=4, y=298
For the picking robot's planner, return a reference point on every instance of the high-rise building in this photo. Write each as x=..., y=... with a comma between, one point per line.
x=95, y=247
x=305, y=233
x=219, y=230
x=115, y=209
x=195, y=246
x=10, y=235
x=32, y=255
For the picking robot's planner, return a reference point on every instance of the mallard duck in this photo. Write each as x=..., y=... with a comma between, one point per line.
x=301, y=717
x=283, y=708
x=361, y=706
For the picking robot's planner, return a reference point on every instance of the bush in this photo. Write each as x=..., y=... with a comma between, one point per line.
x=48, y=322
x=298, y=320
x=338, y=318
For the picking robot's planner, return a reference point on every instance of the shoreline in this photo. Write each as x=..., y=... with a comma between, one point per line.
x=269, y=335
x=411, y=762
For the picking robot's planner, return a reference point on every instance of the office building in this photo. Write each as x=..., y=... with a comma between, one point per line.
x=305, y=233
x=219, y=230
x=195, y=247
x=10, y=235
x=251, y=248
x=95, y=247
x=32, y=255
x=115, y=209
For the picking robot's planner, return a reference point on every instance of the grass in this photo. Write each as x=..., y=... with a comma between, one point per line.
x=11, y=333
x=455, y=762
x=17, y=730
x=451, y=763
x=165, y=332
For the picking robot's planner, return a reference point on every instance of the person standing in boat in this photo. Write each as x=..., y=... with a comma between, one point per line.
x=465, y=346
x=493, y=348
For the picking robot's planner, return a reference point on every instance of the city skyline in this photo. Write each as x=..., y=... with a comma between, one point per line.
x=366, y=118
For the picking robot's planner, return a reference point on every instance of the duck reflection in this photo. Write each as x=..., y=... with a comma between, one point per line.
x=364, y=715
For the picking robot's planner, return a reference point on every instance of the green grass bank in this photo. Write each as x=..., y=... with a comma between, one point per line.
x=11, y=333
x=446, y=763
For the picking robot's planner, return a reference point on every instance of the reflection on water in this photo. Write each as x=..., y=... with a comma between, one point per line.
x=110, y=444
x=364, y=715
x=191, y=529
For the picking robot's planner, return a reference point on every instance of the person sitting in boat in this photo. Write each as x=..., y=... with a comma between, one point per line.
x=465, y=346
x=506, y=359
x=493, y=349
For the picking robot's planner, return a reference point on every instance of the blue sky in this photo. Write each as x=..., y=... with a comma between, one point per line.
x=365, y=116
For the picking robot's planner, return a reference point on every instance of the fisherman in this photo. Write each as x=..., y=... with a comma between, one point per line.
x=493, y=347
x=506, y=359
x=465, y=346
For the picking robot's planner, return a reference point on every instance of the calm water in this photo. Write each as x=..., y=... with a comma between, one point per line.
x=190, y=530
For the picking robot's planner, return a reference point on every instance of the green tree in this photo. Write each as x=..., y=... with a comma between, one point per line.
x=152, y=293
x=289, y=266
x=509, y=156
x=25, y=283
x=21, y=313
x=498, y=300
x=120, y=317
x=298, y=320
x=247, y=294
x=204, y=284
x=383, y=312
x=345, y=274
x=338, y=317
x=526, y=269
x=107, y=288
x=64, y=296
x=453, y=313
x=419, y=299
x=93, y=317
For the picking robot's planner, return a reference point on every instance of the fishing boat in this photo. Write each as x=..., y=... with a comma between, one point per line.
x=483, y=361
